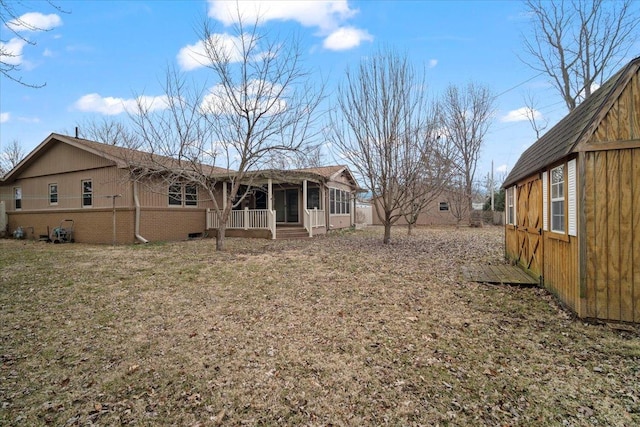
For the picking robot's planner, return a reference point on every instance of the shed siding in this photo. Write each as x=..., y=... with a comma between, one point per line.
x=612, y=213
x=622, y=121
x=561, y=270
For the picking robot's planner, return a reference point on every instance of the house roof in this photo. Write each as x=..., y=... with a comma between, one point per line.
x=121, y=156
x=126, y=157
x=574, y=128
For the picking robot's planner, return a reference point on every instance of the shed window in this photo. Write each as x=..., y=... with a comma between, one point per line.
x=444, y=206
x=17, y=198
x=87, y=193
x=557, y=199
x=53, y=194
x=511, y=217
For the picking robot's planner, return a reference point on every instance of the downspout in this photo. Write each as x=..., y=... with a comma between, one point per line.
x=137, y=221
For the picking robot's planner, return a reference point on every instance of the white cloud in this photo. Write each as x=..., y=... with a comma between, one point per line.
x=194, y=56
x=346, y=38
x=11, y=52
x=4, y=117
x=322, y=14
x=328, y=16
x=47, y=53
x=502, y=168
x=433, y=63
x=521, y=115
x=110, y=106
x=35, y=21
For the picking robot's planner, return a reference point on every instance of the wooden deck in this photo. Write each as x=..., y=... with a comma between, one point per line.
x=503, y=274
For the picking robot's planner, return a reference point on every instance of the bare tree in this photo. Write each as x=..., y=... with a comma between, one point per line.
x=577, y=42
x=458, y=199
x=108, y=131
x=538, y=124
x=12, y=19
x=379, y=126
x=11, y=156
x=430, y=180
x=260, y=108
x=466, y=115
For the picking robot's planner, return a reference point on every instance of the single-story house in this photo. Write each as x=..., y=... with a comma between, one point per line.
x=89, y=183
x=440, y=211
x=573, y=204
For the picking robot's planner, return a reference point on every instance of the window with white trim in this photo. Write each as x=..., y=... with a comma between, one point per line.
x=339, y=201
x=17, y=198
x=511, y=218
x=183, y=195
x=53, y=194
x=190, y=195
x=87, y=193
x=313, y=198
x=557, y=199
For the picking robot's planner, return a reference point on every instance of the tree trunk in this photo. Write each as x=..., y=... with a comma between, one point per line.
x=387, y=233
x=220, y=236
x=409, y=229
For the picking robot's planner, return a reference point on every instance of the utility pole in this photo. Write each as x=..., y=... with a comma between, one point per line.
x=492, y=185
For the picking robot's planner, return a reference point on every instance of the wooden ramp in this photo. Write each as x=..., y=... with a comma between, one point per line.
x=500, y=274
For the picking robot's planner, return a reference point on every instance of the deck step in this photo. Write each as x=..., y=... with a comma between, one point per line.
x=292, y=233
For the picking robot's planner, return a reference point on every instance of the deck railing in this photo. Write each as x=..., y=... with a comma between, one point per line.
x=313, y=218
x=246, y=219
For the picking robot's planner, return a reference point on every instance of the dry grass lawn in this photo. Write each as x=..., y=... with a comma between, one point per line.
x=338, y=330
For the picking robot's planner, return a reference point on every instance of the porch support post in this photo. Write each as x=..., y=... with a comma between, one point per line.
x=271, y=215
x=224, y=195
x=305, y=217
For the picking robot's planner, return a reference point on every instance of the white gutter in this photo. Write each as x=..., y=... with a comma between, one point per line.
x=137, y=222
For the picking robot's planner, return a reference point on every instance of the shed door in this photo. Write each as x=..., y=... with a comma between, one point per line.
x=529, y=217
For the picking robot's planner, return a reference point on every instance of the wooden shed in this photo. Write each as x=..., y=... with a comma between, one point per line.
x=573, y=204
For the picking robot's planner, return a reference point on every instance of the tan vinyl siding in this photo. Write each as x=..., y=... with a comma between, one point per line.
x=63, y=158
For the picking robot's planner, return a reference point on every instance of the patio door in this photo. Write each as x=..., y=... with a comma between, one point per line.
x=286, y=205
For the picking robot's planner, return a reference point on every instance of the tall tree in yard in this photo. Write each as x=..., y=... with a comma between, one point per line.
x=11, y=156
x=466, y=116
x=380, y=125
x=576, y=43
x=260, y=108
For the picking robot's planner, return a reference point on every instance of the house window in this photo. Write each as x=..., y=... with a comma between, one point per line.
x=557, y=199
x=53, y=194
x=175, y=195
x=87, y=193
x=183, y=195
x=190, y=195
x=313, y=198
x=332, y=200
x=17, y=197
x=444, y=206
x=339, y=201
x=511, y=218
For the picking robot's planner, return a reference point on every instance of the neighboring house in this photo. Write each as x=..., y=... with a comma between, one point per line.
x=67, y=178
x=573, y=204
x=443, y=210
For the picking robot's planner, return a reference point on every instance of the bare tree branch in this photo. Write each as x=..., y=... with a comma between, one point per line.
x=576, y=43
x=381, y=126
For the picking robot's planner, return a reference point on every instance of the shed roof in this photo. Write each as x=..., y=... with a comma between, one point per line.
x=575, y=127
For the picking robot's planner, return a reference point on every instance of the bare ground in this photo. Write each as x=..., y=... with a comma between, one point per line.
x=338, y=330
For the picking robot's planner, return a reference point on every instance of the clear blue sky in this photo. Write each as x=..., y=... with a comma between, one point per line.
x=101, y=54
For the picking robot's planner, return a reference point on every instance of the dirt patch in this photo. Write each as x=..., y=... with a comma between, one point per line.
x=338, y=330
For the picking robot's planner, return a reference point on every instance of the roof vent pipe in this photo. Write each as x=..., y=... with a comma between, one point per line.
x=77, y=131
